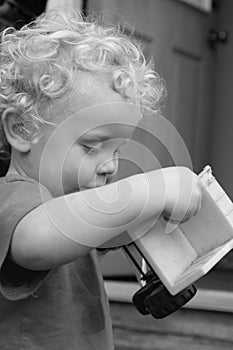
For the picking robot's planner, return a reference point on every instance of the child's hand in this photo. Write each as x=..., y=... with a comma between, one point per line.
x=183, y=194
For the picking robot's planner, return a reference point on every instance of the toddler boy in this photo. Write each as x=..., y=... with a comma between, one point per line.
x=71, y=94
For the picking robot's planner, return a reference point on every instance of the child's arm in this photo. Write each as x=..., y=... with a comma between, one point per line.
x=67, y=227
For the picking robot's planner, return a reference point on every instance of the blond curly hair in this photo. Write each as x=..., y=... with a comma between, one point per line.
x=39, y=61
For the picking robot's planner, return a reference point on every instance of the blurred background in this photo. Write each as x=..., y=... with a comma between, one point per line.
x=191, y=43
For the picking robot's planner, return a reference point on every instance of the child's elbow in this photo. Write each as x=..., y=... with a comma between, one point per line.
x=27, y=248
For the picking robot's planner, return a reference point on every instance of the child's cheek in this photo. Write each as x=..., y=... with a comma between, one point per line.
x=86, y=174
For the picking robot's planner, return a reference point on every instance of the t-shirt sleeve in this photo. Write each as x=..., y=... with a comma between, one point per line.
x=17, y=199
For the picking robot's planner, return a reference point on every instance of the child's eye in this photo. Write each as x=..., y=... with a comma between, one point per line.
x=117, y=153
x=91, y=150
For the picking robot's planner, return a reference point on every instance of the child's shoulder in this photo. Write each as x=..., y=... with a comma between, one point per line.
x=16, y=188
x=14, y=177
x=13, y=181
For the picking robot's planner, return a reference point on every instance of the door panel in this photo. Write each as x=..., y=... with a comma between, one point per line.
x=184, y=99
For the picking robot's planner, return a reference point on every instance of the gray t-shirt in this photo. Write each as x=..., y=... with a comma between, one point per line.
x=62, y=309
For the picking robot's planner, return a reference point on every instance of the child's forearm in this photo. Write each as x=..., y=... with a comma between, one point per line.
x=67, y=227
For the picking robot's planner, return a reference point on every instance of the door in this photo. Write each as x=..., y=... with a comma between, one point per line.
x=222, y=117
x=221, y=126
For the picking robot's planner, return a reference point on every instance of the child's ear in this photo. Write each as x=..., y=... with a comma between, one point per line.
x=10, y=122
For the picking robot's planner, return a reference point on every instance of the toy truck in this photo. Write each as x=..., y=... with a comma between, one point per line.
x=169, y=264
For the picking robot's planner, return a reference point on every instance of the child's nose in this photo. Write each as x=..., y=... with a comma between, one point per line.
x=108, y=167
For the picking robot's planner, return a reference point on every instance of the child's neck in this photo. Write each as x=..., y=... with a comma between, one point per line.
x=15, y=169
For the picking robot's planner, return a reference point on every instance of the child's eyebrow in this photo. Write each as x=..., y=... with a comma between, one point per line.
x=95, y=137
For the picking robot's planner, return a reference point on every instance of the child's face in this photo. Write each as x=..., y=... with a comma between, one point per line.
x=82, y=151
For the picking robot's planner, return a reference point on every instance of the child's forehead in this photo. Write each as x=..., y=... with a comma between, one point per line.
x=97, y=123
x=97, y=107
x=106, y=132
x=104, y=120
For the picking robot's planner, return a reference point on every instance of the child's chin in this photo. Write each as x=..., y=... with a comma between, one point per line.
x=84, y=188
x=71, y=190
